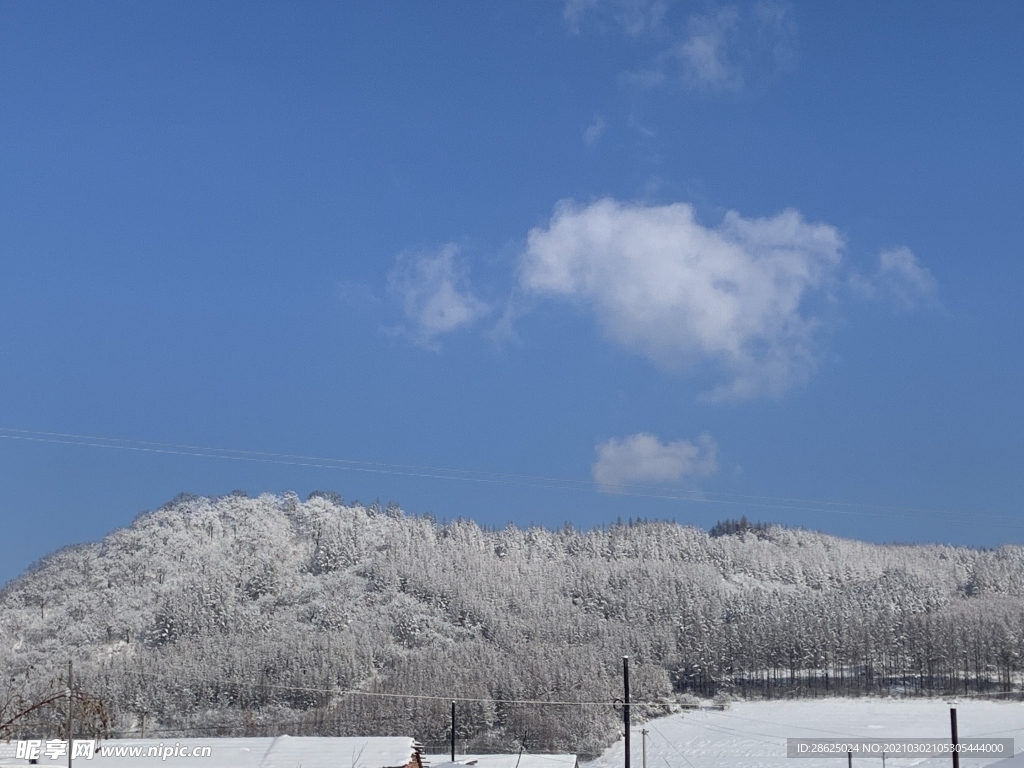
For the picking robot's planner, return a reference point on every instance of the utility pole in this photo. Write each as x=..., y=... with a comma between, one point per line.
x=643, y=734
x=626, y=707
x=71, y=743
x=453, y=731
x=956, y=741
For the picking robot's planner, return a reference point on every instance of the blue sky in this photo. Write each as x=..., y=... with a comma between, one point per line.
x=693, y=257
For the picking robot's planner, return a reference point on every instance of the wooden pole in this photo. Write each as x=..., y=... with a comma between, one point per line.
x=453, y=731
x=626, y=706
x=71, y=747
x=956, y=740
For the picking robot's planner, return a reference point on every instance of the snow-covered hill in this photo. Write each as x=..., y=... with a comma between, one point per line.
x=253, y=616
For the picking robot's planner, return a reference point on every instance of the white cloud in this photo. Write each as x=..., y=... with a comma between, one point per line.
x=679, y=293
x=634, y=17
x=594, y=131
x=644, y=458
x=435, y=294
x=903, y=278
x=900, y=278
x=705, y=53
x=719, y=51
x=723, y=49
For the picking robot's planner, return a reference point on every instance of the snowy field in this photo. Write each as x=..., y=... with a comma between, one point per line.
x=753, y=734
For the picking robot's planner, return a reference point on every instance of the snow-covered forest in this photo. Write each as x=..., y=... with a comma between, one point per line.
x=254, y=616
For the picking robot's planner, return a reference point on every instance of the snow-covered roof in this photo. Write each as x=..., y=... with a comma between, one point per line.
x=278, y=752
x=501, y=761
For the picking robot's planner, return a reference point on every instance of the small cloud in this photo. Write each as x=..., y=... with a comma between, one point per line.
x=720, y=51
x=903, y=277
x=634, y=17
x=434, y=292
x=594, y=131
x=707, y=55
x=723, y=50
x=900, y=278
x=644, y=458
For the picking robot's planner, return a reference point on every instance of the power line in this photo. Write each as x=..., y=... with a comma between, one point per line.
x=381, y=694
x=521, y=480
x=678, y=751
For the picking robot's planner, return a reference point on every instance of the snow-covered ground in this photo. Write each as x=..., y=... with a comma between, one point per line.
x=753, y=734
